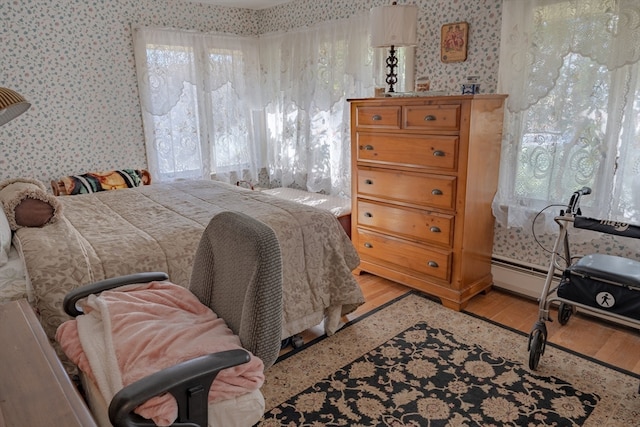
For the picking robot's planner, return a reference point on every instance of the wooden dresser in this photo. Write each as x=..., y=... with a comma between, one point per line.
x=424, y=173
x=35, y=390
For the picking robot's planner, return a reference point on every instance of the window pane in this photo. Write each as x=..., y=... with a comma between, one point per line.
x=230, y=133
x=628, y=167
x=176, y=133
x=563, y=142
x=177, y=138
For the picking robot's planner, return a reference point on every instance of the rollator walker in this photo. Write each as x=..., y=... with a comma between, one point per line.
x=606, y=285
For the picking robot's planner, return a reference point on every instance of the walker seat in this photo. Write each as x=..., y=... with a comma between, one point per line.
x=606, y=282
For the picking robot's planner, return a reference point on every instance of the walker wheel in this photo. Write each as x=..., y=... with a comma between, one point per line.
x=537, y=341
x=285, y=343
x=564, y=313
x=297, y=341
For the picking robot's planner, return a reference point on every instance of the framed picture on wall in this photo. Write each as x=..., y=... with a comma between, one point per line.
x=453, y=42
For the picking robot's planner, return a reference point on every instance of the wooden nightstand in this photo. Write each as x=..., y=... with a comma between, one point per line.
x=35, y=390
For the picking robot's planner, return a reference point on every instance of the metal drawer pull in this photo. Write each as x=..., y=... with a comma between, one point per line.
x=368, y=215
x=368, y=182
x=376, y=117
x=368, y=245
x=438, y=153
x=368, y=147
x=435, y=229
x=429, y=118
x=436, y=192
x=433, y=264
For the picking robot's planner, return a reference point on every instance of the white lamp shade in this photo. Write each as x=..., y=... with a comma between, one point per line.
x=394, y=25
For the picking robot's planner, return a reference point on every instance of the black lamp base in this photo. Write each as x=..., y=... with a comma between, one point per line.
x=392, y=63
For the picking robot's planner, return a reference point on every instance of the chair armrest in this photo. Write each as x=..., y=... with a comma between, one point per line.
x=189, y=382
x=70, y=300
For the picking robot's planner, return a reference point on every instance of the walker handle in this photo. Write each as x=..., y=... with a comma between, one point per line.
x=584, y=191
x=574, y=202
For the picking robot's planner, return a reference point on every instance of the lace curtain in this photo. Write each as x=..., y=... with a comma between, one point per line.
x=199, y=95
x=572, y=72
x=307, y=77
x=229, y=106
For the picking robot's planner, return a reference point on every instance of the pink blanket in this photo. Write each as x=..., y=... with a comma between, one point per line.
x=137, y=330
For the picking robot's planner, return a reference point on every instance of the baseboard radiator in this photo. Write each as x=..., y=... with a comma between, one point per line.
x=517, y=277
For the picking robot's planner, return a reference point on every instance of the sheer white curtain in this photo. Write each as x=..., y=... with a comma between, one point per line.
x=572, y=72
x=200, y=103
x=307, y=77
x=229, y=106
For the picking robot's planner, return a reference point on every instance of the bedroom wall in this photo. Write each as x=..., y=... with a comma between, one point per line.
x=73, y=60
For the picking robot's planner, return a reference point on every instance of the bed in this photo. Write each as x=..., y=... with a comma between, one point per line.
x=13, y=282
x=157, y=227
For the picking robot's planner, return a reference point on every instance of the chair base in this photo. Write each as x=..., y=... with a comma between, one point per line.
x=241, y=411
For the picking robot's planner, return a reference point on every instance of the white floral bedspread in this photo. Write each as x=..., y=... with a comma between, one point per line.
x=157, y=228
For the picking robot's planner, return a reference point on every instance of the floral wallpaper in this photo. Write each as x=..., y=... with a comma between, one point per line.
x=73, y=60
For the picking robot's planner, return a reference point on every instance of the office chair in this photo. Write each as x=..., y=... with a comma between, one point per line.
x=237, y=272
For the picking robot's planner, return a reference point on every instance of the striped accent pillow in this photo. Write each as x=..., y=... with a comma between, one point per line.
x=93, y=182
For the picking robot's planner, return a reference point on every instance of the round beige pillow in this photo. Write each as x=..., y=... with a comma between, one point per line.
x=27, y=204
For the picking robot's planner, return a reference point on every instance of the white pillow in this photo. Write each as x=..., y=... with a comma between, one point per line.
x=5, y=238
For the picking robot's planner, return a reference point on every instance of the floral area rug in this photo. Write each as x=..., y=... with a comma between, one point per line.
x=416, y=363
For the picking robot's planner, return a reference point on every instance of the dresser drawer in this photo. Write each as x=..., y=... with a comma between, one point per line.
x=432, y=117
x=413, y=188
x=410, y=223
x=439, y=152
x=387, y=117
x=403, y=255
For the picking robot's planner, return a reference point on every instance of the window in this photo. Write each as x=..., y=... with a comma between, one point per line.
x=198, y=94
x=308, y=75
x=176, y=131
x=571, y=69
x=231, y=106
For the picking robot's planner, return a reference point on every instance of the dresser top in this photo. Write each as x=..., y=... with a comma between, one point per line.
x=417, y=98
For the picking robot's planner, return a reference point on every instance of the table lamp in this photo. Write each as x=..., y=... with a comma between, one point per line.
x=12, y=104
x=393, y=26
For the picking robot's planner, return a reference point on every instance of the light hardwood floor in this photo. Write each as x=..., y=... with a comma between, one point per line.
x=610, y=343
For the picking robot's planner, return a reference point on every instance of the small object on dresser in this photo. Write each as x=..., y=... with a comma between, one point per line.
x=423, y=84
x=471, y=87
